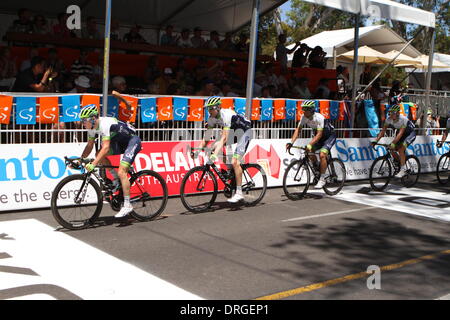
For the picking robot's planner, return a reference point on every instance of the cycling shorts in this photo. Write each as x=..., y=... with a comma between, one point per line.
x=325, y=144
x=129, y=150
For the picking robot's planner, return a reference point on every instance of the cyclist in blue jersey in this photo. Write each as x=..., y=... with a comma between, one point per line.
x=228, y=120
x=445, y=133
x=324, y=137
x=405, y=136
x=117, y=138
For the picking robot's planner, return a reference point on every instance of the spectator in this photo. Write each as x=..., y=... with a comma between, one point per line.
x=213, y=42
x=57, y=65
x=60, y=29
x=283, y=89
x=97, y=76
x=208, y=88
x=82, y=67
x=152, y=71
x=301, y=56
x=168, y=39
x=40, y=25
x=317, y=58
x=271, y=77
x=259, y=84
x=378, y=96
x=24, y=24
x=322, y=91
x=31, y=79
x=153, y=88
x=227, y=43
x=342, y=79
x=119, y=84
x=394, y=92
x=265, y=92
x=82, y=84
x=134, y=36
x=27, y=63
x=8, y=68
x=301, y=90
x=173, y=89
x=197, y=41
x=165, y=80
x=115, y=30
x=366, y=76
x=282, y=52
x=90, y=31
x=233, y=77
x=242, y=45
x=184, y=41
x=226, y=90
x=432, y=123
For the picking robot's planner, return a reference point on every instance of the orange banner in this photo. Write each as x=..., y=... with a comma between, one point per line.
x=227, y=103
x=324, y=106
x=279, y=107
x=48, y=110
x=413, y=111
x=196, y=110
x=256, y=109
x=165, y=108
x=90, y=99
x=6, y=103
x=126, y=114
x=341, y=111
x=299, y=110
x=382, y=111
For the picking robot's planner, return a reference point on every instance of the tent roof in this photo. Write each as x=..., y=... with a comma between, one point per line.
x=380, y=38
x=220, y=15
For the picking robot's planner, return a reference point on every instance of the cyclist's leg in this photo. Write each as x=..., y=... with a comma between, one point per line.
x=133, y=148
x=113, y=150
x=325, y=150
x=239, y=153
x=402, y=145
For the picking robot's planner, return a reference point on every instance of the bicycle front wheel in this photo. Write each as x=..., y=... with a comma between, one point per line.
x=335, y=177
x=254, y=183
x=296, y=180
x=148, y=195
x=412, y=166
x=76, y=204
x=198, y=189
x=380, y=174
x=442, y=170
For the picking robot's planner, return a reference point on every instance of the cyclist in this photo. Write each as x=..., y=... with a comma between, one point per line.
x=405, y=136
x=445, y=133
x=232, y=125
x=117, y=138
x=323, y=140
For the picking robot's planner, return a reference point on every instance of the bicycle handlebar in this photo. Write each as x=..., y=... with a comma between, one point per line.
x=77, y=163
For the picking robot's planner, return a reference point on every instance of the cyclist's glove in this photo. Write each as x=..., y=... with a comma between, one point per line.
x=439, y=144
x=288, y=146
x=90, y=167
x=213, y=157
x=392, y=146
x=373, y=143
x=309, y=147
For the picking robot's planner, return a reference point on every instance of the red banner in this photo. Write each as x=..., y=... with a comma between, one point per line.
x=195, y=110
x=325, y=108
x=256, y=109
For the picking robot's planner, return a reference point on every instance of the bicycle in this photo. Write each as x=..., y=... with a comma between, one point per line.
x=199, y=187
x=385, y=167
x=297, y=177
x=442, y=169
x=77, y=200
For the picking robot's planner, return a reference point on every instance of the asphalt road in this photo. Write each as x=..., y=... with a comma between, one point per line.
x=316, y=248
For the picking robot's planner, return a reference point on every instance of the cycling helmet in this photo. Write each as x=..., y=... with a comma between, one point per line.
x=88, y=111
x=309, y=105
x=213, y=103
x=394, y=108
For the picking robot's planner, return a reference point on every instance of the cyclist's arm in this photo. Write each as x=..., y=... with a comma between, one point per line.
x=103, y=151
x=296, y=134
x=219, y=144
x=399, y=135
x=381, y=134
x=444, y=135
x=88, y=149
x=317, y=137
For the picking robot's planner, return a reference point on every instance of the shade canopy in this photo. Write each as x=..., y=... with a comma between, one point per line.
x=365, y=55
x=401, y=59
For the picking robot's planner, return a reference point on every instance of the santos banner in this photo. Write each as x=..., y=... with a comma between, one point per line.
x=30, y=172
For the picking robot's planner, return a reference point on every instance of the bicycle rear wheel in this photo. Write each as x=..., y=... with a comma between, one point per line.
x=198, y=189
x=296, y=180
x=73, y=212
x=442, y=170
x=335, y=177
x=380, y=174
x=254, y=183
x=412, y=166
x=148, y=195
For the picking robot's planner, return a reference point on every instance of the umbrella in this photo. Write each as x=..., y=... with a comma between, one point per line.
x=402, y=59
x=422, y=63
x=366, y=55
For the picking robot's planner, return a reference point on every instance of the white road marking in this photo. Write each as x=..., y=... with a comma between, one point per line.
x=446, y=297
x=329, y=214
x=72, y=265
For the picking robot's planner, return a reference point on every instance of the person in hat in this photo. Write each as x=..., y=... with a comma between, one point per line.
x=165, y=80
x=82, y=84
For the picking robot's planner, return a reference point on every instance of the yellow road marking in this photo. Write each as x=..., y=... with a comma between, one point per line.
x=320, y=285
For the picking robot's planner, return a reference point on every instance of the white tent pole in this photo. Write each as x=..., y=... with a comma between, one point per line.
x=106, y=56
x=252, y=58
x=428, y=78
x=355, y=69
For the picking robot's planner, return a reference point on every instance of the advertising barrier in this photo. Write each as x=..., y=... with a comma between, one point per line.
x=30, y=172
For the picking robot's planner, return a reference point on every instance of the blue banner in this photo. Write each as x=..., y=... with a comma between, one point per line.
x=239, y=106
x=70, y=108
x=372, y=118
x=266, y=110
x=334, y=110
x=180, y=109
x=113, y=107
x=291, y=109
x=148, y=110
x=25, y=110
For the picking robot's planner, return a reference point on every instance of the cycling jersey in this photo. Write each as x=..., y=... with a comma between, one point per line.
x=318, y=123
x=122, y=136
x=402, y=122
x=448, y=124
x=229, y=119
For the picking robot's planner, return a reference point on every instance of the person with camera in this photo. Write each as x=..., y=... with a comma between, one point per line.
x=301, y=56
x=317, y=58
x=32, y=80
x=282, y=51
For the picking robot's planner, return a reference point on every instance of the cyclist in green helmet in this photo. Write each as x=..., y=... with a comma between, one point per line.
x=405, y=136
x=324, y=137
